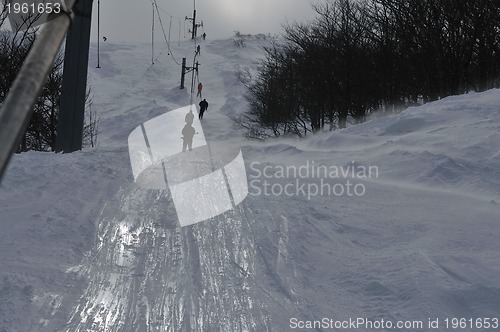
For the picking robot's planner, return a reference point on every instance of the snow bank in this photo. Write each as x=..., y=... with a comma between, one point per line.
x=82, y=244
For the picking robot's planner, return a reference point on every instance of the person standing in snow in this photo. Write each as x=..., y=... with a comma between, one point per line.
x=187, y=137
x=189, y=117
x=200, y=87
x=203, y=107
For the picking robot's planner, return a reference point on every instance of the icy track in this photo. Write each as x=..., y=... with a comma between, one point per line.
x=149, y=274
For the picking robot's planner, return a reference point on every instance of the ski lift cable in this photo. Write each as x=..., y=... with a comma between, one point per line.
x=163, y=10
x=154, y=2
x=165, y=35
x=194, y=69
x=197, y=75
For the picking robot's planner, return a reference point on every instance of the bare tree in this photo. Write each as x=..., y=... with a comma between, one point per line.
x=92, y=121
x=363, y=56
x=41, y=132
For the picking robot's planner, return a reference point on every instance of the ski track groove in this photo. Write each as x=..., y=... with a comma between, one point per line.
x=182, y=286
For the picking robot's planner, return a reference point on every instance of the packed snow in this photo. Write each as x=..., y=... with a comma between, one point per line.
x=396, y=219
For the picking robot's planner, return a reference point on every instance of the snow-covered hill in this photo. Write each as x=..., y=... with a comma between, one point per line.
x=411, y=233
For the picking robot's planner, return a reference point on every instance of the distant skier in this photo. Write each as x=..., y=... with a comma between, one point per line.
x=203, y=107
x=204, y=36
x=189, y=117
x=200, y=87
x=198, y=49
x=187, y=137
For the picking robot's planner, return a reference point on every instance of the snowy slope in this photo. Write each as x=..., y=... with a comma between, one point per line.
x=83, y=248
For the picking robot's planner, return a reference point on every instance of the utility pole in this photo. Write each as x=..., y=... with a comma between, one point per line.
x=194, y=29
x=153, y=37
x=169, y=29
x=74, y=87
x=183, y=72
x=194, y=20
x=188, y=70
x=193, y=69
x=193, y=35
x=98, y=33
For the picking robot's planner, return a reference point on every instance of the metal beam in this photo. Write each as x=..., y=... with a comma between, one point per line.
x=193, y=33
x=74, y=87
x=17, y=107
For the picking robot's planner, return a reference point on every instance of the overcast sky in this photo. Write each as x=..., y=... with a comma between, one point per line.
x=130, y=20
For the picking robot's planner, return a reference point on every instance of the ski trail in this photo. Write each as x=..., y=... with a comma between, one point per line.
x=148, y=274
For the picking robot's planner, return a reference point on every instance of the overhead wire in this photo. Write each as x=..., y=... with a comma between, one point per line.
x=171, y=17
x=169, y=14
x=194, y=68
x=195, y=63
x=164, y=34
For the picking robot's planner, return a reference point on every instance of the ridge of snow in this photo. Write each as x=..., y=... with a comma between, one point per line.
x=82, y=248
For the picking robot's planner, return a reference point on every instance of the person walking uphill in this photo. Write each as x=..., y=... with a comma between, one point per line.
x=203, y=107
x=200, y=87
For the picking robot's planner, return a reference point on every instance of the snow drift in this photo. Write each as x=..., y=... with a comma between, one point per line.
x=83, y=248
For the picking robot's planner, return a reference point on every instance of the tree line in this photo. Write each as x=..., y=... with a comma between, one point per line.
x=362, y=56
x=41, y=132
